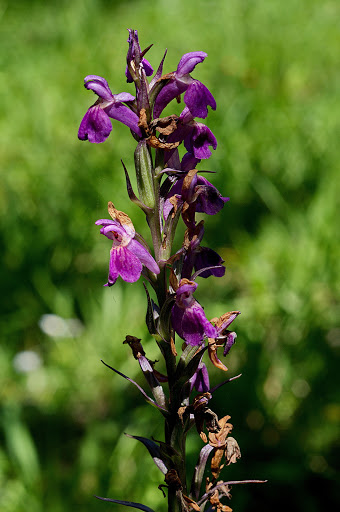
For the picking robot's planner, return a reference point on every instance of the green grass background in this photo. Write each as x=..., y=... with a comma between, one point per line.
x=273, y=68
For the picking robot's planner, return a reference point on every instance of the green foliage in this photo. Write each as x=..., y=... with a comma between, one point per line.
x=273, y=69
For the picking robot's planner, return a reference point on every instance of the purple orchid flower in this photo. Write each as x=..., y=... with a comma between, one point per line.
x=197, y=137
x=127, y=255
x=200, y=379
x=197, y=96
x=187, y=315
x=198, y=258
x=134, y=54
x=200, y=195
x=96, y=125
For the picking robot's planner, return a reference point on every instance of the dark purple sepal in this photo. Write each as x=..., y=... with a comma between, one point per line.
x=204, y=258
x=231, y=338
x=209, y=200
x=200, y=379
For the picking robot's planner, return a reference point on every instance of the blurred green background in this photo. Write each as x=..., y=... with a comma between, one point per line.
x=273, y=68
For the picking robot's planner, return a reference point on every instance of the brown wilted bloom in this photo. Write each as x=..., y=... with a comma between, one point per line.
x=214, y=498
x=224, y=447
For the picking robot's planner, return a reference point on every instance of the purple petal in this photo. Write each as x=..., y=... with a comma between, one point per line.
x=186, y=288
x=189, y=161
x=105, y=222
x=95, y=126
x=206, y=257
x=199, y=140
x=98, y=85
x=143, y=255
x=189, y=61
x=124, y=263
x=197, y=98
x=200, y=379
x=209, y=200
x=147, y=67
x=176, y=319
x=123, y=114
x=193, y=325
x=116, y=228
x=123, y=97
x=231, y=338
x=169, y=92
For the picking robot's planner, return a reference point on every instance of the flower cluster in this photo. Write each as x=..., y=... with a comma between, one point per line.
x=170, y=188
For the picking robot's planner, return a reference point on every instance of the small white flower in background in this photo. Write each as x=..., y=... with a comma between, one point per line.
x=56, y=326
x=26, y=361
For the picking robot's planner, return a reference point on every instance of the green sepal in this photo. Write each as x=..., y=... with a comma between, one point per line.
x=144, y=174
x=164, y=326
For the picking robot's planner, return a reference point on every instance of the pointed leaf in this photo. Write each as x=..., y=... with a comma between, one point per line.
x=148, y=399
x=165, y=318
x=154, y=451
x=131, y=504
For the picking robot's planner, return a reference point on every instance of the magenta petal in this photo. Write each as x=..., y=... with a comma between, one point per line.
x=113, y=272
x=126, y=264
x=143, y=255
x=95, y=126
x=192, y=325
x=176, y=319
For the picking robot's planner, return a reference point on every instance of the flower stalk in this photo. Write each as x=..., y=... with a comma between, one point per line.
x=170, y=188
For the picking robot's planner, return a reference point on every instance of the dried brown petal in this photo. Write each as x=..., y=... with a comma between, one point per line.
x=122, y=217
x=191, y=503
x=173, y=280
x=212, y=351
x=173, y=347
x=154, y=142
x=232, y=451
x=218, y=440
x=216, y=465
x=143, y=123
